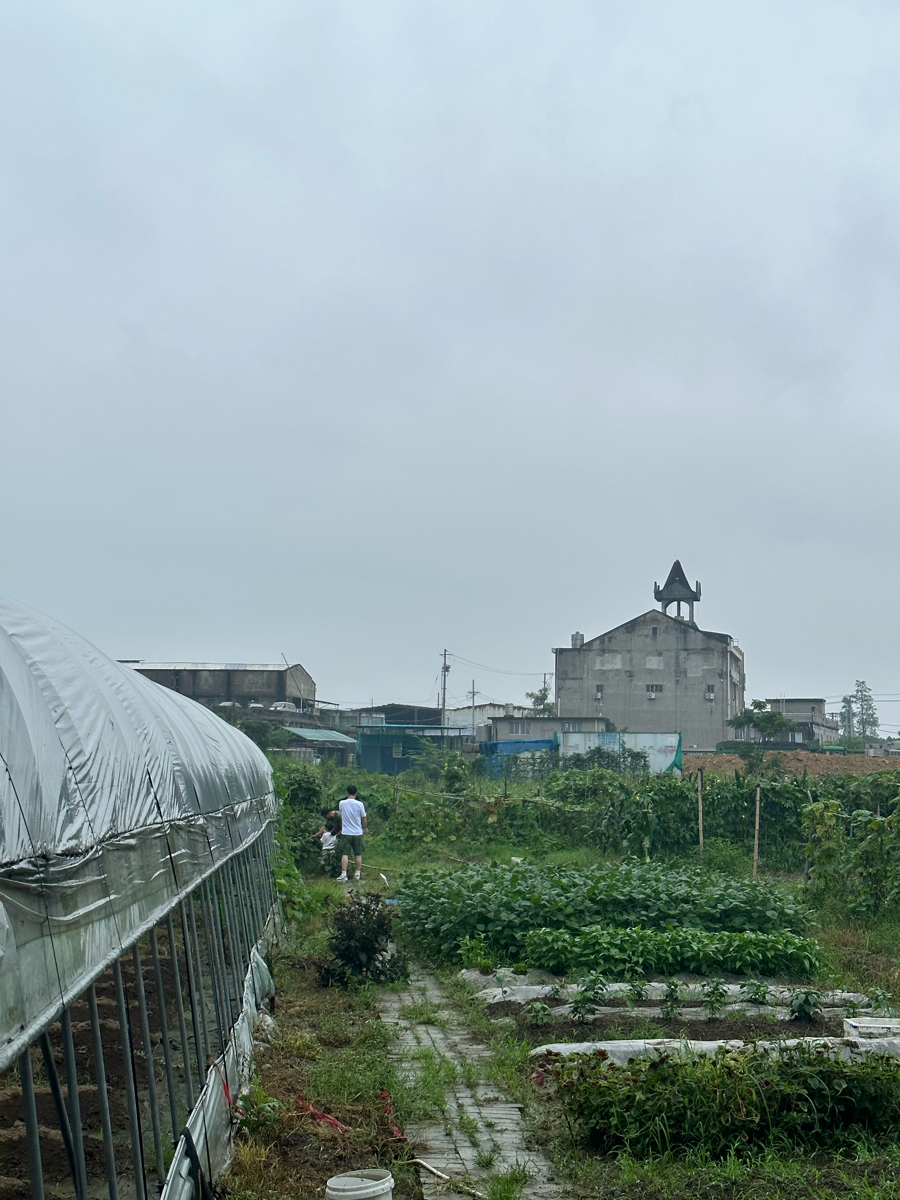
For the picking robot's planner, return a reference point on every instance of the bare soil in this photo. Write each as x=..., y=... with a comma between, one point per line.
x=792, y=762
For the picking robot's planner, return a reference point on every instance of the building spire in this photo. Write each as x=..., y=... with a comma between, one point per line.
x=676, y=590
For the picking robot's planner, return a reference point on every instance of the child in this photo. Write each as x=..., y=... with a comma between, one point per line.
x=329, y=834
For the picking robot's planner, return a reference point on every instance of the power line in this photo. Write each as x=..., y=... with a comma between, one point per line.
x=496, y=670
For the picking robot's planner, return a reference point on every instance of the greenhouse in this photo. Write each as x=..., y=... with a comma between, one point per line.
x=135, y=904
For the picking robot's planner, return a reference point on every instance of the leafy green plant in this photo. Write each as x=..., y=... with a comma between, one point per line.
x=537, y=1011
x=256, y=1111
x=671, y=1005
x=715, y=996
x=880, y=1000
x=475, y=953
x=626, y=953
x=637, y=990
x=594, y=985
x=805, y=1004
x=754, y=991
x=850, y=1010
x=731, y=1102
x=440, y=908
x=583, y=1005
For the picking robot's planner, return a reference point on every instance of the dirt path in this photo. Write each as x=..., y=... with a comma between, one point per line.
x=482, y=1133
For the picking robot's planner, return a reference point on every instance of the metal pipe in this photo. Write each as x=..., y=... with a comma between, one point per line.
x=62, y=1113
x=192, y=994
x=215, y=978
x=240, y=903
x=134, y=1125
x=233, y=949
x=74, y=1105
x=200, y=992
x=164, y=1033
x=179, y=1008
x=32, y=1137
x=233, y=894
x=151, y=1070
x=218, y=937
x=109, y=1149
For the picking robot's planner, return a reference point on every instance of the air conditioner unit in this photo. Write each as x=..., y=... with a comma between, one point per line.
x=710, y=695
x=651, y=695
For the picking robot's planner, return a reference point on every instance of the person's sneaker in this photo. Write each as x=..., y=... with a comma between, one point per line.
x=343, y=878
x=358, y=875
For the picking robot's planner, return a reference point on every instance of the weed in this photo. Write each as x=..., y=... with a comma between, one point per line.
x=424, y=1012
x=486, y=1158
x=508, y=1185
x=469, y=1127
x=537, y=1011
x=754, y=991
x=475, y=953
x=256, y=1110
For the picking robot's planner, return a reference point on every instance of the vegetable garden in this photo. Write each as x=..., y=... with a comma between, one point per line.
x=578, y=908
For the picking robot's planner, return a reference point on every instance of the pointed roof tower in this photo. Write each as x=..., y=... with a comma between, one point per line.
x=676, y=590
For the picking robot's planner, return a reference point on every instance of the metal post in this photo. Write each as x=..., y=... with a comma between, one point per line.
x=179, y=1008
x=74, y=1105
x=234, y=896
x=151, y=1070
x=62, y=1113
x=240, y=899
x=195, y=942
x=218, y=993
x=219, y=940
x=32, y=1137
x=192, y=994
x=134, y=1124
x=109, y=1149
x=164, y=1033
x=233, y=948
x=252, y=909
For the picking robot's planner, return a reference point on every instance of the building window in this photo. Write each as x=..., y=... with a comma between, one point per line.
x=653, y=631
x=572, y=727
x=398, y=750
x=710, y=691
x=520, y=727
x=653, y=689
x=598, y=688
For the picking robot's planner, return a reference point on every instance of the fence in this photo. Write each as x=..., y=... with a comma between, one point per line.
x=152, y=1053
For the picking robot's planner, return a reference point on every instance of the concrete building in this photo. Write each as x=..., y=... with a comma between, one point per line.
x=479, y=715
x=808, y=714
x=222, y=684
x=656, y=673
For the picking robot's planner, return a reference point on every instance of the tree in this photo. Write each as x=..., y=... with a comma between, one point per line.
x=866, y=712
x=767, y=724
x=541, y=704
x=848, y=718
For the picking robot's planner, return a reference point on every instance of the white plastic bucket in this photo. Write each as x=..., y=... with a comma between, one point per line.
x=360, y=1185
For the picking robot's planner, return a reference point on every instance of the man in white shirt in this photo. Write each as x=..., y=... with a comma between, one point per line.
x=353, y=826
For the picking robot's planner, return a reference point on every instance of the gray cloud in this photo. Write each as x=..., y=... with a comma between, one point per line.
x=357, y=331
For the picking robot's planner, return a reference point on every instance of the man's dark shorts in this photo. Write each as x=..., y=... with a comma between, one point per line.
x=352, y=843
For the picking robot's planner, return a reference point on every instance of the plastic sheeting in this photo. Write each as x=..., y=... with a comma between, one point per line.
x=210, y=1123
x=117, y=796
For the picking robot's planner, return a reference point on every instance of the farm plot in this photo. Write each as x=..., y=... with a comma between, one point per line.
x=445, y=912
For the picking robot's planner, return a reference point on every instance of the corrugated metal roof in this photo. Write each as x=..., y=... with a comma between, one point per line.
x=140, y=665
x=320, y=735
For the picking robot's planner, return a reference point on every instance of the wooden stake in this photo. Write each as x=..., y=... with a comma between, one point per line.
x=700, y=805
x=756, y=836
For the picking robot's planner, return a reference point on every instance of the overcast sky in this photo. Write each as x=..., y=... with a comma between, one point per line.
x=355, y=331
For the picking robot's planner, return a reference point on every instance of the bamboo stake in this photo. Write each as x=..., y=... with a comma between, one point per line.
x=700, y=805
x=756, y=836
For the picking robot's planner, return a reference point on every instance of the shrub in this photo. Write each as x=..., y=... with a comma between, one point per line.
x=440, y=908
x=359, y=946
x=732, y=1102
x=623, y=953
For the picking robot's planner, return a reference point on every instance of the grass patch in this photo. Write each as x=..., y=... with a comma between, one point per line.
x=423, y=1012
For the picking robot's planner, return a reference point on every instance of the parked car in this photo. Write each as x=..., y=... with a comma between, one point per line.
x=285, y=706
x=228, y=704
x=255, y=704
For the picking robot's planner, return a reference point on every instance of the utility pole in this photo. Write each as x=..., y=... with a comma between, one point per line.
x=445, y=671
x=472, y=695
